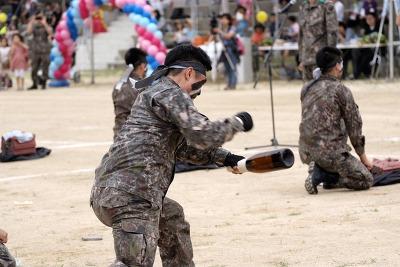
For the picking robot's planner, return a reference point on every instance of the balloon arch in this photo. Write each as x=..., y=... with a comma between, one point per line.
x=78, y=16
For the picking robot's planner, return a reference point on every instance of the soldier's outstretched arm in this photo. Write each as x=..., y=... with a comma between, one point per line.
x=199, y=132
x=193, y=155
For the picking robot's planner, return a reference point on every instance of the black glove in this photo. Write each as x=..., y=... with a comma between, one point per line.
x=231, y=160
x=246, y=119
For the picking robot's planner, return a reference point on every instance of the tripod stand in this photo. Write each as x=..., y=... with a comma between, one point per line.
x=267, y=63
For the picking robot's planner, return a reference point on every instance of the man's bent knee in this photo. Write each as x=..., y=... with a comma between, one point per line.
x=135, y=243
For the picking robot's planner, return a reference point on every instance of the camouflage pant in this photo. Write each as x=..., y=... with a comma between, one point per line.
x=139, y=226
x=308, y=72
x=353, y=174
x=6, y=260
x=39, y=62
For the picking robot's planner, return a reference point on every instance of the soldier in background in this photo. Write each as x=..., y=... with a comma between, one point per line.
x=329, y=116
x=318, y=28
x=40, y=47
x=6, y=260
x=124, y=93
x=134, y=176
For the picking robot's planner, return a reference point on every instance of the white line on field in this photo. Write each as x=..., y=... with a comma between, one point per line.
x=73, y=144
x=41, y=175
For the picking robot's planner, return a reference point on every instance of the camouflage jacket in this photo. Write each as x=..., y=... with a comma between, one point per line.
x=318, y=28
x=164, y=125
x=329, y=115
x=123, y=95
x=40, y=43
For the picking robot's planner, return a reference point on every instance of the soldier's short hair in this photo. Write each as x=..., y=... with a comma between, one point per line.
x=135, y=56
x=327, y=57
x=188, y=52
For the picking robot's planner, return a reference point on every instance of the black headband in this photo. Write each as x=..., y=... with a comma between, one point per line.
x=163, y=70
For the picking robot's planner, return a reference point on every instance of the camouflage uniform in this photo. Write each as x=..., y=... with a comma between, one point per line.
x=318, y=28
x=6, y=260
x=134, y=176
x=174, y=243
x=329, y=117
x=40, y=47
x=123, y=95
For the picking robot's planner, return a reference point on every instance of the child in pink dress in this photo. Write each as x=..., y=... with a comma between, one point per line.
x=19, y=59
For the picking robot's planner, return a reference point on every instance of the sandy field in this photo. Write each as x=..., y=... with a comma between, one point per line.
x=236, y=220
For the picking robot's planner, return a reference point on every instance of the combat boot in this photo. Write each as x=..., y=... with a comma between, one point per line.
x=312, y=180
x=33, y=87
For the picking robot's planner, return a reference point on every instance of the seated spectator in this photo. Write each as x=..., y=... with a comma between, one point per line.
x=363, y=57
x=293, y=30
x=183, y=31
x=342, y=33
x=258, y=35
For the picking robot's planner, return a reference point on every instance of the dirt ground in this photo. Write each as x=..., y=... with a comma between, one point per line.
x=236, y=220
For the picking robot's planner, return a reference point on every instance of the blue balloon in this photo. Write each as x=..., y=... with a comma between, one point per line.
x=70, y=14
x=152, y=27
x=98, y=2
x=158, y=34
x=59, y=83
x=53, y=67
x=59, y=61
x=136, y=18
x=149, y=71
x=52, y=57
x=153, y=20
x=55, y=52
x=154, y=65
x=105, y=2
x=140, y=10
x=147, y=15
x=135, y=9
x=145, y=21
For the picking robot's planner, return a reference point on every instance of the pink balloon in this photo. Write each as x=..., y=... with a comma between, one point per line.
x=83, y=9
x=157, y=43
x=65, y=34
x=141, y=2
x=152, y=50
x=148, y=35
x=90, y=5
x=141, y=31
x=68, y=42
x=64, y=68
x=58, y=37
x=145, y=44
x=112, y=3
x=63, y=48
x=67, y=61
x=58, y=75
x=66, y=75
x=119, y=3
x=62, y=24
x=160, y=57
x=148, y=8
